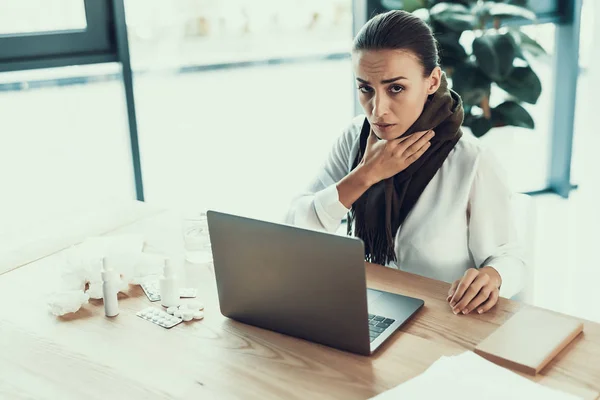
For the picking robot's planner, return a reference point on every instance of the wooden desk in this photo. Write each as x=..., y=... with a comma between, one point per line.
x=89, y=356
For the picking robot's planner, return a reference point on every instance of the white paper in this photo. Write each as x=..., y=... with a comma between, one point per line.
x=468, y=376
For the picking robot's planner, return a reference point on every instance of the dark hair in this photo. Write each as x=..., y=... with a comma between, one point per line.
x=399, y=30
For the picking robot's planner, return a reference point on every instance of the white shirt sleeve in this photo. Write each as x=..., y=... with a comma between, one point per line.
x=319, y=207
x=493, y=237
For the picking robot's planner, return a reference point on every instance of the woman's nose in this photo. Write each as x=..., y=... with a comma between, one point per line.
x=380, y=105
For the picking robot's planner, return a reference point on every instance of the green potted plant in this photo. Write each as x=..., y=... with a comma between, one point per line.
x=488, y=57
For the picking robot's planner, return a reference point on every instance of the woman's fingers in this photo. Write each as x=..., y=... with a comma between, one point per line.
x=372, y=139
x=490, y=302
x=415, y=156
x=413, y=137
x=463, y=285
x=452, y=290
x=407, y=141
x=417, y=149
x=478, y=284
x=418, y=144
x=475, y=291
x=481, y=297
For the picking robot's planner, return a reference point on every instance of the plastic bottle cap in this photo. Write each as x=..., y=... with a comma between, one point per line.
x=106, y=263
x=109, y=275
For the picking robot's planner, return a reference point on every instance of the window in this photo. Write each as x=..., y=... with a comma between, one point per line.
x=34, y=16
x=36, y=35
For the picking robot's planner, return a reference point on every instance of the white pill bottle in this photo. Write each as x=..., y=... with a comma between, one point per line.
x=169, y=289
x=110, y=289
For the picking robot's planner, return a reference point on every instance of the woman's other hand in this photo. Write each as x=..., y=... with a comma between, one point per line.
x=478, y=290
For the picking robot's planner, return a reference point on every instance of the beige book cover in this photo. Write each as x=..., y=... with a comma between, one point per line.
x=529, y=340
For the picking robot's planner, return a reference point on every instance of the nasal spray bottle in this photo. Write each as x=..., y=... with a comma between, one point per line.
x=169, y=288
x=110, y=289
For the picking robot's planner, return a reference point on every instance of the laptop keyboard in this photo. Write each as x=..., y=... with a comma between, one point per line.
x=378, y=324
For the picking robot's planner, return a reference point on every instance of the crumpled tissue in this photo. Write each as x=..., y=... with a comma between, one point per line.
x=82, y=264
x=81, y=277
x=67, y=302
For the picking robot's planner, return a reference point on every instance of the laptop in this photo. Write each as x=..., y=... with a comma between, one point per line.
x=302, y=283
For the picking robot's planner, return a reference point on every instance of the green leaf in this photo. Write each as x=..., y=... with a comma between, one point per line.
x=479, y=125
x=502, y=10
x=481, y=10
x=393, y=4
x=530, y=45
x=406, y=5
x=457, y=22
x=412, y=5
x=521, y=3
x=467, y=3
x=511, y=113
x=423, y=14
x=522, y=83
x=455, y=17
x=451, y=51
x=484, y=11
x=449, y=8
x=439, y=28
x=495, y=54
x=470, y=83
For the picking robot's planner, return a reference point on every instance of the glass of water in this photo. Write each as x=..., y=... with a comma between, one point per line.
x=196, y=240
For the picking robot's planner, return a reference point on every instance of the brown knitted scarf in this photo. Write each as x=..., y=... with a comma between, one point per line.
x=380, y=211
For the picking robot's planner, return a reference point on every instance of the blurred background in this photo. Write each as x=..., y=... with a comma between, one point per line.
x=234, y=104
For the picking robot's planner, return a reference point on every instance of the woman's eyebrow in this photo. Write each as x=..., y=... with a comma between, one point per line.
x=383, y=81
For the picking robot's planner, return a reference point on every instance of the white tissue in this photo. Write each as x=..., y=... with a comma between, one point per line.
x=95, y=287
x=95, y=290
x=124, y=263
x=147, y=265
x=82, y=264
x=70, y=301
x=78, y=268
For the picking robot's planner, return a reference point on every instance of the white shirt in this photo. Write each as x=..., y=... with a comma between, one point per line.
x=463, y=218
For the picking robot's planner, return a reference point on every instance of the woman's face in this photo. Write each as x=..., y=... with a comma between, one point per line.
x=392, y=89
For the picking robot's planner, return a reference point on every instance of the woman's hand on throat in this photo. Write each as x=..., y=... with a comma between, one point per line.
x=386, y=158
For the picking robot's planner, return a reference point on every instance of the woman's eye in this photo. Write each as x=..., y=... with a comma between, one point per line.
x=364, y=89
x=396, y=89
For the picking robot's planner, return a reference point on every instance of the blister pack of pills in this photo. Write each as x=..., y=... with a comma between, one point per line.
x=188, y=311
x=152, y=291
x=159, y=317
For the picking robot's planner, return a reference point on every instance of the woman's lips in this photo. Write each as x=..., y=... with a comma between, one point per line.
x=384, y=127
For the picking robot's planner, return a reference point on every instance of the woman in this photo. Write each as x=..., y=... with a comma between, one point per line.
x=422, y=196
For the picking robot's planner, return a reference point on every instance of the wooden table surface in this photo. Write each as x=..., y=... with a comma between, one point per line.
x=86, y=355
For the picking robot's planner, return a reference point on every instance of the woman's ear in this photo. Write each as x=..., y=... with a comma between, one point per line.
x=435, y=80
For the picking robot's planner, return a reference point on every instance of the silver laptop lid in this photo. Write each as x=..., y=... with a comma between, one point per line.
x=295, y=281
